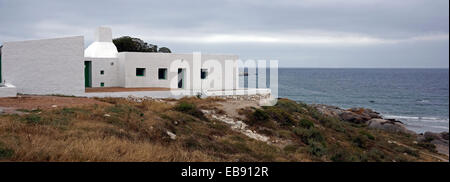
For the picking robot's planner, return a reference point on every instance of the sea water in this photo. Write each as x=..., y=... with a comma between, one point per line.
x=417, y=97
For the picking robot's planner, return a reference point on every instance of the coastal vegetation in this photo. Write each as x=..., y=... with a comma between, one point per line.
x=132, y=44
x=124, y=129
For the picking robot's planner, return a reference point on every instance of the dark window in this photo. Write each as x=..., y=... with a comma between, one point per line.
x=102, y=72
x=162, y=73
x=140, y=71
x=204, y=74
x=102, y=84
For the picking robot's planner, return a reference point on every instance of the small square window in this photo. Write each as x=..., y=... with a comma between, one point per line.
x=140, y=71
x=102, y=84
x=162, y=73
x=102, y=72
x=204, y=74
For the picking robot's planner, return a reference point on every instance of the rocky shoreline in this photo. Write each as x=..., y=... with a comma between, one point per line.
x=375, y=120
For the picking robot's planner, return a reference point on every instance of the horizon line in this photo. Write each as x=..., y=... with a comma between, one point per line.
x=361, y=67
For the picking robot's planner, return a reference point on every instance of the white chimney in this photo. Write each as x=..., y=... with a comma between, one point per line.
x=102, y=47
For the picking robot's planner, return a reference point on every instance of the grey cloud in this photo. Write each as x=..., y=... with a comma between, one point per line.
x=156, y=21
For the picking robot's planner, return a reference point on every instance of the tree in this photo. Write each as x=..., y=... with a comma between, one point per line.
x=131, y=44
x=164, y=50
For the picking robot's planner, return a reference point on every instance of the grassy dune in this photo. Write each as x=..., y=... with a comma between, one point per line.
x=124, y=130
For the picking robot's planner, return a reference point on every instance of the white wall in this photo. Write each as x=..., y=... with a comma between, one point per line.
x=49, y=66
x=111, y=76
x=153, y=61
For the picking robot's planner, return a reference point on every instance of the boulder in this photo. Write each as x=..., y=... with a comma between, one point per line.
x=327, y=110
x=440, y=140
x=444, y=135
x=366, y=113
x=353, y=117
x=389, y=126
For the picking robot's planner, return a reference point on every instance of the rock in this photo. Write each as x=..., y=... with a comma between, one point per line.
x=394, y=120
x=389, y=126
x=107, y=115
x=353, y=117
x=440, y=140
x=331, y=111
x=365, y=113
x=171, y=135
x=54, y=106
x=444, y=135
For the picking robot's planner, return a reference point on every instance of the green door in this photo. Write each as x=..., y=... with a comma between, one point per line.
x=87, y=74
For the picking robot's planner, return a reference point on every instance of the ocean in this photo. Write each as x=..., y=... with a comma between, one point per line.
x=417, y=97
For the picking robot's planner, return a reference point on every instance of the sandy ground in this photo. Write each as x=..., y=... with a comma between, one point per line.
x=231, y=107
x=11, y=104
x=121, y=89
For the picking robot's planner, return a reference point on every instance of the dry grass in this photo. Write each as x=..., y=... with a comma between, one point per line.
x=114, y=129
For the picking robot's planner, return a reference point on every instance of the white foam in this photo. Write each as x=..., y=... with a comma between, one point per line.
x=423, y=119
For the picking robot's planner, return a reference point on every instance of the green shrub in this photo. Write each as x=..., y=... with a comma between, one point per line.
x=308, y=135
x=305, y=123
x=5, y=152
x=367, y=134
x=259, y=115
x=411, y=152
x=338, y=154
x=427, y=145
x=282, y=117
x=316, y=148
x=361, y=141
x=288, y=105
x=376, y=155
x=191, y=109
x=33, y=118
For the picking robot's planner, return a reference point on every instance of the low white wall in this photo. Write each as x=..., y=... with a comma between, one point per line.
x=49, y=66
x=177, y=93
x=8, y=90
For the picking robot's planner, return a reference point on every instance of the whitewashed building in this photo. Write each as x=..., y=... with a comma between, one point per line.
x=63, y=66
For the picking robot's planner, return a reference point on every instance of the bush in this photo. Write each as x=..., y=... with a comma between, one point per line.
x=33, y=119
x=191, y=109
x=361, y=141
x=411, y=152
x=5, y=153
x=305, y=123
x=288, y=105
x=282, y=117
x=308, y=135
x=427, y=145
x=367, y=134
x=259, y=115
x=376, y=155
x=341, y=155
x=316, y=148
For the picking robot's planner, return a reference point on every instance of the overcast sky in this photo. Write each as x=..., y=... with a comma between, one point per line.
x=298, y=33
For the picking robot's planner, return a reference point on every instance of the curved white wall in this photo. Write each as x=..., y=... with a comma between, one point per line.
x=103, y=47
